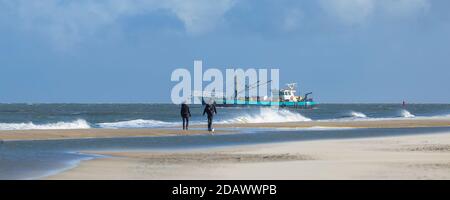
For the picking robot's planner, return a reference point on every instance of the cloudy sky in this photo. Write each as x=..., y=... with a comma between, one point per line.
x=124, y=51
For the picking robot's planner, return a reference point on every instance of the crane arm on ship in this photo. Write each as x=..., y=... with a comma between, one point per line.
x=306, y=96
x=254, y=85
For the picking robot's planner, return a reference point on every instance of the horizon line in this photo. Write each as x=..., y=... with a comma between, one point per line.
x=201, y=104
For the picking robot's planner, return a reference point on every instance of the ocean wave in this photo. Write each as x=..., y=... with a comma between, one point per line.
x=405, y=113
x=137, y=123
x=268, y=115
x=443, y=116
x=354, y=114
x=77, y=124
x=359, y=116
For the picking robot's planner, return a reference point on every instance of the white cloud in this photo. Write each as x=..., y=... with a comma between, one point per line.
x=67, y=22
x=356, y=12
x=200, y=15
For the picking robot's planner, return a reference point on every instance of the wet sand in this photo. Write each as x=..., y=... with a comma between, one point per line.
x=399, y=157
x=110, y=133
x=392, y=123
x=93, y=133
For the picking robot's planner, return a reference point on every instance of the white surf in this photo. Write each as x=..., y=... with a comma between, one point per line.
x=355, y=114
x=76, y=124
x=267, y=115
x=406, y=114
x=137, y=123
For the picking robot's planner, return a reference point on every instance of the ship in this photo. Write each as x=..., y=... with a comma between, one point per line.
x=285, y=98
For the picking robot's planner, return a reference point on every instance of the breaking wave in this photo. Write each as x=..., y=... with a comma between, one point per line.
x=137, y=123
x=77, y=124
x=269, y=115
x=405, y=113
x=354, y=114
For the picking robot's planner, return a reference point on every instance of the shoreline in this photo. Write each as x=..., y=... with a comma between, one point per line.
x=385, y=123
x=55, y=134
x=62, y=134
x=425, y=156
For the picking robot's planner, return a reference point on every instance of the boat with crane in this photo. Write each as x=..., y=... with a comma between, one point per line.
x=285, y=97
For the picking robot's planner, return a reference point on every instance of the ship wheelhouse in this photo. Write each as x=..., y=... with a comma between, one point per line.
x=288, y=94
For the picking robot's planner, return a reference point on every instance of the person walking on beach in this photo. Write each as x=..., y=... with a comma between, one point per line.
x=185, y=114
x=210, y=110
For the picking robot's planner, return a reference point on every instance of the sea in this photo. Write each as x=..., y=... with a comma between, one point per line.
x=88, y=116
x=41, y=158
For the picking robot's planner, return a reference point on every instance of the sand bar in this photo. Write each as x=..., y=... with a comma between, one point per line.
x=399, y=157
x=391, y=123
x=6, y=135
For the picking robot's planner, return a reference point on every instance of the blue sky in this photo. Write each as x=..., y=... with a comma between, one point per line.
x=124, y=51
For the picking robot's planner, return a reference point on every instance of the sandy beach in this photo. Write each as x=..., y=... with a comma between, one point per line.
x=399, y=157
x=391, y=123
x=6, y=135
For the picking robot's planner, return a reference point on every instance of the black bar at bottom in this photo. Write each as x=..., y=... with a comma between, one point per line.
x=226, y=189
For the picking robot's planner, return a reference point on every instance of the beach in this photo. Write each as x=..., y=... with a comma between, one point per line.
x=9, y=135
x=391, y=123
x=390, y=157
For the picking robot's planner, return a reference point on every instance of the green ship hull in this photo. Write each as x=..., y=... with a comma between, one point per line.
x=237, y=103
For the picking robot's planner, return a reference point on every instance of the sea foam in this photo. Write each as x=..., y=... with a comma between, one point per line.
x=77, y=124
x=355, y=114
x=267, y=115
x=137, y=123
x=406, y=114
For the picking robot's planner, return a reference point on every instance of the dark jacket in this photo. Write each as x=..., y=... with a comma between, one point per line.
x=210, y=109
x=185, y=112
